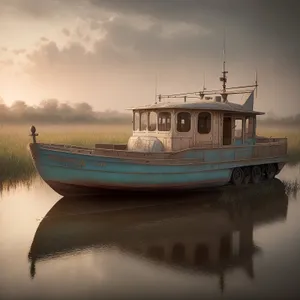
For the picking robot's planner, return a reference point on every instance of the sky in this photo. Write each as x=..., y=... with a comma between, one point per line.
x=111, y=53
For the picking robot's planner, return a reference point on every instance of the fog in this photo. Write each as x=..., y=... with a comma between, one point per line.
x=291, y=121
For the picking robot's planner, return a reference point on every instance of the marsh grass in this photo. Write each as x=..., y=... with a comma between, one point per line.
x=15, y=160
x=292, y=187
x=21, y=181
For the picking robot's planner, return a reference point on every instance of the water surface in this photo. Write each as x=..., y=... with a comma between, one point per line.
x=227, y=243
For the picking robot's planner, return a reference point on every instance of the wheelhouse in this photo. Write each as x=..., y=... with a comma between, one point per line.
x=203, y=124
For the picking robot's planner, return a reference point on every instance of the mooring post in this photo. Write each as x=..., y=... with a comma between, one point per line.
x=33, y=133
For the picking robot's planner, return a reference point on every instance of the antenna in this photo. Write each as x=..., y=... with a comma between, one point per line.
x=155, y=88
x=256, y=83
x=224, y=72
x=201, y=94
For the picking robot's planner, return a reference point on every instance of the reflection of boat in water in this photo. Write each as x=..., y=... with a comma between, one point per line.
x=211, y=235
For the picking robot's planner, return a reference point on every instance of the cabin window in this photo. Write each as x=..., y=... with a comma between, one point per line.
x=183, y=122
x=204, y=123
x=201, y=254
x=164, y=121
x=178, y=253
x=136, y=121
x=238, y=128
x=144, y=121
x=249, y=127
x=152, y=121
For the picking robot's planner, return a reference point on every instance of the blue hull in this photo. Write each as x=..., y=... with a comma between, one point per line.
x=68, y=172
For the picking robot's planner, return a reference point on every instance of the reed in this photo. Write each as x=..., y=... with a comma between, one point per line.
x=292, y=187
x=15, y=160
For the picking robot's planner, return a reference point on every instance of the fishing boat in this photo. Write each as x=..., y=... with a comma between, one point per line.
x=181, y=141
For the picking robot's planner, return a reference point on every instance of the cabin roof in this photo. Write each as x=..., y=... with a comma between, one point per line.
x=200, y=105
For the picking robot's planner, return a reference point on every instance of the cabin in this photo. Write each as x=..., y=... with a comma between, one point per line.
x=208, y=123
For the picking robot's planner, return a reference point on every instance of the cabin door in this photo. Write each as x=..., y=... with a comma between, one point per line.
x=227, y=131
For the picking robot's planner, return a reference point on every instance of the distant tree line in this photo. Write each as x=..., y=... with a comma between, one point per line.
x=51, y=111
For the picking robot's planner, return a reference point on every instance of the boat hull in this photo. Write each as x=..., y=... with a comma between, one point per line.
x=85, y=188
x=70, y=173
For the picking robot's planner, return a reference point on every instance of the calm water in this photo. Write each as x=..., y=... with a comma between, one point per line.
x=228, y=243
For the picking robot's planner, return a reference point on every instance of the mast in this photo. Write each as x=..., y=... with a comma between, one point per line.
x=155, y=97
x=223, y=79
x=201, y=94
x=256, y=83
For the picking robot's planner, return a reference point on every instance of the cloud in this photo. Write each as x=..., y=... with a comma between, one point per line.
x=271, y=25
x=66, y=32
x=123, y=44
x=19, y=51
x=87, y=38
x=40, y=9
x=44, y=39
x=127, y=40
x=206, y=10
x=274, y=17
x=49, y=57
x=6, y=63
x=94, y=25
x=124, y=56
